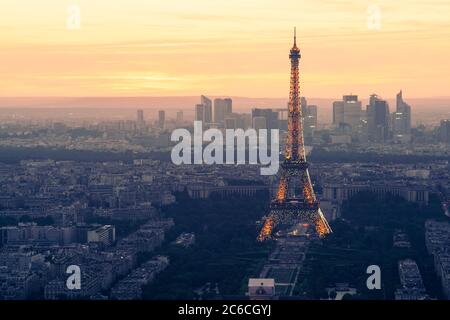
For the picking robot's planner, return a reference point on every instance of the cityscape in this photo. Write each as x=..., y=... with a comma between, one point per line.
x=105, y=196
x=93, y=207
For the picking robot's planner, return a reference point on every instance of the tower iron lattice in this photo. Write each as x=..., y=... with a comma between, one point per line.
x=295, y=201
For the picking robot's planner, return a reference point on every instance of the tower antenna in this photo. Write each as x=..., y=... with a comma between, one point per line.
x=295, y=36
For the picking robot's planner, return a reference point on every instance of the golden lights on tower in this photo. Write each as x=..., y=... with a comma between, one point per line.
x=295, y=166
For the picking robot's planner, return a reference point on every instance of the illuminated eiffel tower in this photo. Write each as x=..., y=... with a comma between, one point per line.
x=295, y=203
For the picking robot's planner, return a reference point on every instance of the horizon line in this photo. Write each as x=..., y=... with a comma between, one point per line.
x=193, y=96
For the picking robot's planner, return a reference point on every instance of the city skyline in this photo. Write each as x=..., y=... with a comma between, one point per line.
x=224, y=48
x=155, y=151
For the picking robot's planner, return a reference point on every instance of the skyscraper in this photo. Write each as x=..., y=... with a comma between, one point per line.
x=140, y=117
x=199, y=112
x=347, y=112
x=230, y=123
x=259, y=122
x=303, y=105
x=338, y=113
x=402, y=116
x=235, y=121
x=180, y=117
x=444, y=131
x=397, y=121
x=207, y=109
x=282, y=119
x=310, y=121
x=378, y=119
x=222, y=108
x=203, y=111
x=270, y=115
x=161, y=118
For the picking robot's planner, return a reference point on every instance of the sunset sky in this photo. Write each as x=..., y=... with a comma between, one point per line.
x=223, y=47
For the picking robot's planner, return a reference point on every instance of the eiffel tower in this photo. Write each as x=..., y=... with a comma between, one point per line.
x=295, y=203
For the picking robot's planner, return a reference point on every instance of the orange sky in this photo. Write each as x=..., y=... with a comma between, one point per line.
x=218, y=47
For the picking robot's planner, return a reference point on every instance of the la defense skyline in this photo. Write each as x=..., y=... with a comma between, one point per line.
x=351, y=122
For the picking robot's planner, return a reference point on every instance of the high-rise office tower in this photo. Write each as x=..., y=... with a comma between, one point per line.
x=259, y=123
x=352, y=110
x=161, y=118
x=309, y=114
x=203, y=111
x=207, y=109
x=140, y=117
x=402, y=116
x=282, y=119
x=271, y=119
x=303, y=105
x=230, y=123
x=246, y=119
x=270, y=115
x=378, y=119
x=199, y=112
x=347, y=113
x=444, y=131
x=309, y=118
x=235, y=121
x=397, y=121
x=338, y=113
x=310, y=121
x=229, y=105
x=222, y=108
x=179, y=117
x=312, y=115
